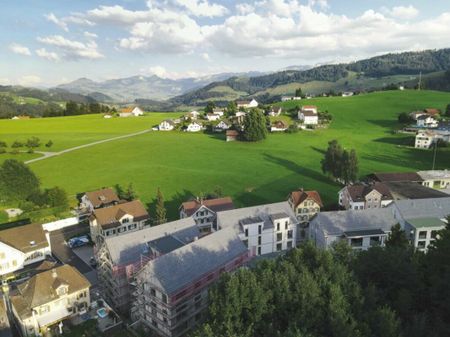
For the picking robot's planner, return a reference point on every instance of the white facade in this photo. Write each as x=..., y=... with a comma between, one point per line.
x=222, y=126
x=423, y=232
x=194, y=127
x=425, y=139
x=204, y=218
x=438, y=179
x=371, y=200
x=219, y=112
x=290, y=98
x=248, y=105
x=213, y=117
x=12, y=259
x=136, y=112
x=166, y=126
x=427, y=121
x=308, y=118
x=347, y=94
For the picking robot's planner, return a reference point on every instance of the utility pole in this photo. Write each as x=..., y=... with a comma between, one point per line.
x=434, y=155
x=420, y=81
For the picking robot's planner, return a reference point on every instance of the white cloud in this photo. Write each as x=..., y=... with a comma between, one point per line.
x=162, y=72
x=206, y=57
x=203, y=8
x=29, y=80
x=90, y=35
x=244, y=8
x=402, y=12
x=60, y=23
x=323, y=4
x=73, y=50
x=51, y=56
x=19, y=49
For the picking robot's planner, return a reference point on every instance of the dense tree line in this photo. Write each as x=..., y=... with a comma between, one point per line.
x=389, y=291
x=19, y=185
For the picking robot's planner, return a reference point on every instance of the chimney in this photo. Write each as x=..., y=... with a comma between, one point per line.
x=54, y=273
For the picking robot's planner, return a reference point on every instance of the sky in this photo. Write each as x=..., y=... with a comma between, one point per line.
x=48, y=42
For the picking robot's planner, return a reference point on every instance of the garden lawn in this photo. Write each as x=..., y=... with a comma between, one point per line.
x=184, y=165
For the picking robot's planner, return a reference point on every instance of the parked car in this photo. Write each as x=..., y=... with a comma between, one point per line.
x=78, y=241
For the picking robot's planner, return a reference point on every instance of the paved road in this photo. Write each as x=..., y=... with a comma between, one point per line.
x=46, y=155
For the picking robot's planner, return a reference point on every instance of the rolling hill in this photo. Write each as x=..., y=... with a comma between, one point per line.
x=365, y=75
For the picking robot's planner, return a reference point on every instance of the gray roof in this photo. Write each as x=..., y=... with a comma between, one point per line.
x=127, y=248
x=434, y=174
x=423, y=208
x=172, y=272
x=412, y=190
x=234, y=217
x=337, y=223
x=165, y=244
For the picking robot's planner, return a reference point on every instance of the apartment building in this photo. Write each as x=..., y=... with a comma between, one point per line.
x=204, y=212
x=422, y=232
x=22, y=246
x=263, y=229
x=121, y=257
x=48, y=298
x=117, y=220
x=171, y=291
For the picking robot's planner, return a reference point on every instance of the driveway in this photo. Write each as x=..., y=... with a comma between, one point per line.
x=66, y=255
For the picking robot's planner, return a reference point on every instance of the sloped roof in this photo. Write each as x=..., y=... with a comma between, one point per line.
x=215, y=205
x=358, y=192
x=102, y=197
x=127, y=110
x=110, y=216
x=434, y=174
x=299, y=196
x=423, y=208
x=193, y=261
x=26, y=238
x=397, y=176
x=432, y=111
x=41, y=288
x=129, y=247
x=336, y=223
x=411, y=190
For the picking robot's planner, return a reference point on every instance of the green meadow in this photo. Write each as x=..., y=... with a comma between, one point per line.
x=185, y=165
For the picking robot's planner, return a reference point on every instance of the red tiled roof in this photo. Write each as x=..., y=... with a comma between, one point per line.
x=299, y=196
x=215, y=205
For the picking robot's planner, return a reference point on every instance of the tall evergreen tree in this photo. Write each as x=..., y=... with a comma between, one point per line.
x=353, y=166
x=17, y=181
x=255, y=128
x=160, y=208
x=397, y=237
x=331, y=163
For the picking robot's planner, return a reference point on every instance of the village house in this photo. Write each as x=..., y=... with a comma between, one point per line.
x=232, y=135
x=274, y=111
x=264, y=229
x=121, y=257
x=365, y=196
x=219, y=111
x=308, y=115
x=172, y=290
x=432, y=112
x=305, y=204
x=117, y=220
x=212, y=117
x=48, y=298
x=223, y=125
x=20, y=117
x=438, y=179
x=347, y=94
x=427, y=138
x=131, y=112
x=278, y=126
x=194, y=127
x=102, y=198
x=192, y=115
x=416, y=114
x=247, y=104
x=204, y=212
x=423, y=232
x=427, y=121
x=240, y=115
x=166, y=125
x=21, y=246
x=290, y=98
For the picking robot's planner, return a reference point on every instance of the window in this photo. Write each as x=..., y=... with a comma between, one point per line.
x=14, y=263
x=374, y=241
x=289, y=244
x=423, y=234
x=290, y=234
x=279, y=247
x=259, y=240
x=278, y=226
x=126, y=220
x=357, y=242
x=421, y=244
x=44, y=309
x=259, y=250
x=164, y=298
x=259, y=229
x=279, y=236
x=152, y=292
x=245, y=242
x=246, y=232
x=433, y=235
x=286, y=224
x=61, y=291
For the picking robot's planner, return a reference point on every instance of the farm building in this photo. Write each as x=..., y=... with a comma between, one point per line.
x=232, y=135
x=131, y=112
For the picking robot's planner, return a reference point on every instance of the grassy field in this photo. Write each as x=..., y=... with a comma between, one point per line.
x=183, y=165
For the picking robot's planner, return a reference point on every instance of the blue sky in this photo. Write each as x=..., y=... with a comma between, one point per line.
x=44, y=43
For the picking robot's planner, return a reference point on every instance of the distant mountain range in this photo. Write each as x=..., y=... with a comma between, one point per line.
x=125, y=90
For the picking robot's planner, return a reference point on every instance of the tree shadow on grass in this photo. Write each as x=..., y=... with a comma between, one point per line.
x=217, y=136
x=404, y=141
x=387, y=124
x=321, y=151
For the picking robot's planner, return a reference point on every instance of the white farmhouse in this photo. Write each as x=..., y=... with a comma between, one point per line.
x=194, y=127
x=21, y=246
x=212, y=117
x=290, y=98
x=427, y=121
x=131, y=112
x=219, y=111
x=247, y=104
x=192, y=115
x=166, y=125
x=223, y=125
x=308, y=115
x=426, y=138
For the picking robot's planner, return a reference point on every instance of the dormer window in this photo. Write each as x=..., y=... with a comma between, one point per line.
x=62, y=290
x=125, y=220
